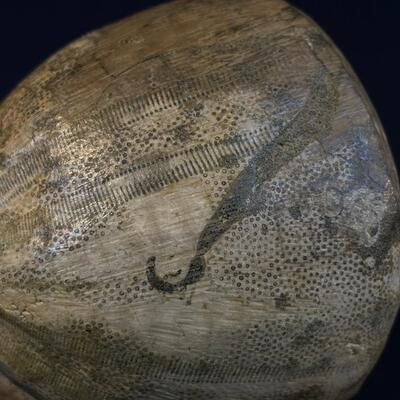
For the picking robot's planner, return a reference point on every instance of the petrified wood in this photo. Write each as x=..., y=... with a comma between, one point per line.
x=197, y=202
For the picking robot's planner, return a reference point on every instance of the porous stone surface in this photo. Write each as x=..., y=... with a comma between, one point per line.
x=9, y=391
x=196, y=203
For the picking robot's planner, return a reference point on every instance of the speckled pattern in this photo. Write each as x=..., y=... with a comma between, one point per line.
x=197, y=202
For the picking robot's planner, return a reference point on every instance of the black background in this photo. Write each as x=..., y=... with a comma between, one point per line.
x=367, y=32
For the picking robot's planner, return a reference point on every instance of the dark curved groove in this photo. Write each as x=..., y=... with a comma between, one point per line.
x=194, y=274
x=245, y=196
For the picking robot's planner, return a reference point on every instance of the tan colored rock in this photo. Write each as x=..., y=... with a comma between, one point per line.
x=8, y=391
x=197, y=202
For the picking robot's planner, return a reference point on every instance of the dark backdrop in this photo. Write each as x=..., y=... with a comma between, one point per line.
x=367, y=32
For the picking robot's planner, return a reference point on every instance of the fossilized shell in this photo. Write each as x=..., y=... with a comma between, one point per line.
x=197, y=202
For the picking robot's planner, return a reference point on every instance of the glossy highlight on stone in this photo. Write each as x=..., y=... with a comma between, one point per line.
x=196, y=202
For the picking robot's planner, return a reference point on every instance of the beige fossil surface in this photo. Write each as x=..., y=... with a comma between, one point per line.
x=9, y=391
x=196, y=202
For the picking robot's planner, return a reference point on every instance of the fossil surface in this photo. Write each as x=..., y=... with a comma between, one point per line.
x=9, y=391
x=196, y=203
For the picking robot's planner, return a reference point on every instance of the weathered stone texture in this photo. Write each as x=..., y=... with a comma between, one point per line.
x=197, y=202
